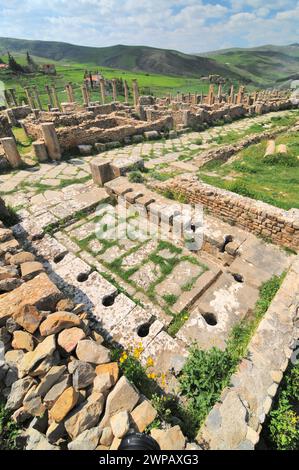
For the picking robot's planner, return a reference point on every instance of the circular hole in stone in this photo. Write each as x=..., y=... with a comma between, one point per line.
x=238, y=277
x=108, y=300
x=210, y=318
x=193, y=228
x=143, y=330
x=82, y=277
x=59, y=257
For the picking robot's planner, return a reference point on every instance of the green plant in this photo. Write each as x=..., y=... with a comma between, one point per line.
x=203, y=378
x=170, y=299
x=177, y=322
x=136, y=177
x=289, y=251
x=8, y=430
x=284, y=426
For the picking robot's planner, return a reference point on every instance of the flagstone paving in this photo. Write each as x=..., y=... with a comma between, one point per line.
x=100, y=257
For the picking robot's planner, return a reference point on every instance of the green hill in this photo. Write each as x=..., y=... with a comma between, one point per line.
x=266, y=65
x=133, y=58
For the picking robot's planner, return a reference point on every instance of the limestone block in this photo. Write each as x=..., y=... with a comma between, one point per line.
x=101, y=171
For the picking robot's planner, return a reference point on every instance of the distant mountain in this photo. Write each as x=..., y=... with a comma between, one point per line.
x=134, y=58
x=264, y=65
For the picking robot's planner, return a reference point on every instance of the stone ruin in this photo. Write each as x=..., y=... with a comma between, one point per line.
x=96, y=126
x=62, y=305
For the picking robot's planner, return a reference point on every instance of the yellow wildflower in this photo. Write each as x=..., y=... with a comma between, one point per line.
x=123, y=357
x=149, y=362
x=152, y=376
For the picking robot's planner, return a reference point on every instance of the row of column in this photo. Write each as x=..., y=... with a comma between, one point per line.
x=49, y=147
x=85, y=93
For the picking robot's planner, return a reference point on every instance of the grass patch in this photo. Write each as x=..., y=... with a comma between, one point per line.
x=273, y=180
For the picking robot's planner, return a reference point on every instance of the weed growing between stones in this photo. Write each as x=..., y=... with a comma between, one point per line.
x=207, y=373
x=282, y=427
x=170, y=299
x=8, y=430
x=177, y=322
x=136, y=177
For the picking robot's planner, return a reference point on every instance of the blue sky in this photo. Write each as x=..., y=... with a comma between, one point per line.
x=187, y=25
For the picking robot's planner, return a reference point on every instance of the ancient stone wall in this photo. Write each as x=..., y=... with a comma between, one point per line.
x=71, y=137
x=236, y=421
x=262, y=219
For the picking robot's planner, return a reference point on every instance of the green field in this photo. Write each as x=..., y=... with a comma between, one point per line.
x=157, y=85
x=274, y=180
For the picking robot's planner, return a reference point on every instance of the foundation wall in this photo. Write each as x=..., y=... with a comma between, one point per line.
x=262, y=219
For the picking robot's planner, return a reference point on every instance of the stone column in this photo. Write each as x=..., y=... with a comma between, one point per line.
x=135, y=92
x=85, y=95
x=126, y=88
x=48, y=91
x=36, y=94
x=40, y=151
x=71, y=90
x=102, y=89
x=219, y=93
x=240, y=95
x=13, y=95
x=11, y=151
x=68, y=92
x=29, y=98
x=56, y=100
x=211, y=95
x=51, y=140
x=114, y=90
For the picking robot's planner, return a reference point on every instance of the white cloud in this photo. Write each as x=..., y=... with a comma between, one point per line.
x=188, y=25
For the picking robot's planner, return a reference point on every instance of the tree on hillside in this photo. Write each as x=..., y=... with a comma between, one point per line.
x=13, y=64
x=32, y=66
